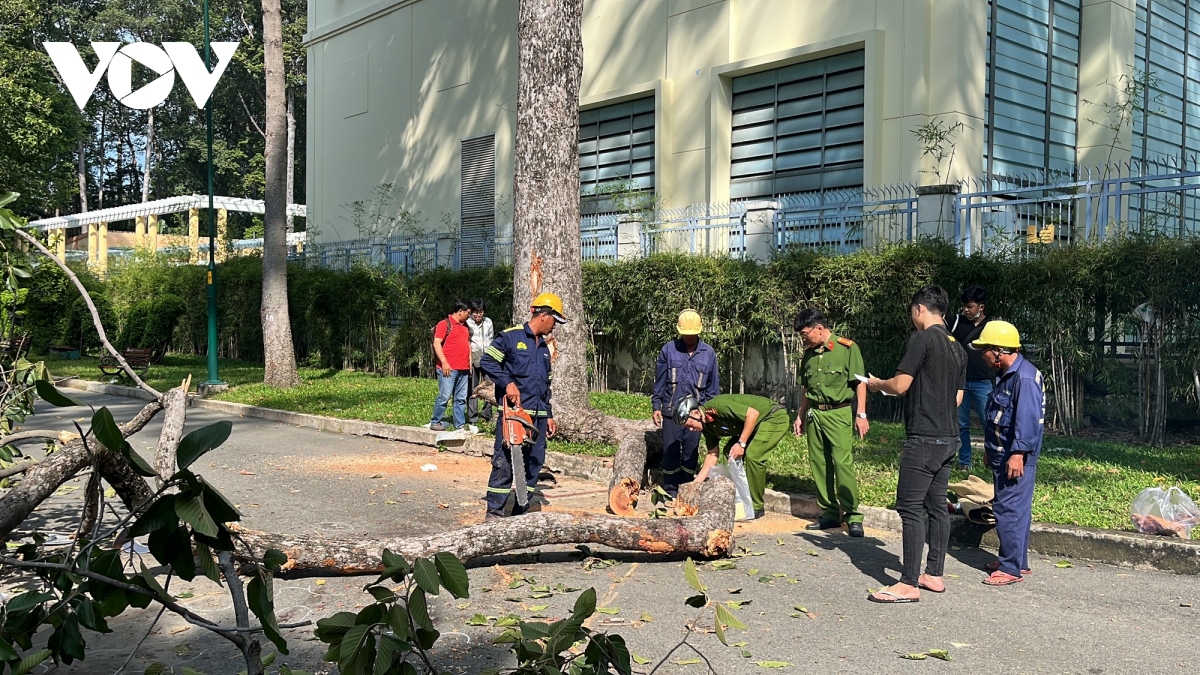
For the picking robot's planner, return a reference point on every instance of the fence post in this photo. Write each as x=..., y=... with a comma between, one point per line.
x=758, y=230
x=629, y=236
x=935, y=213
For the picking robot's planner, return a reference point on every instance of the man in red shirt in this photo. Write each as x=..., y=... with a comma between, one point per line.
x=452, y=349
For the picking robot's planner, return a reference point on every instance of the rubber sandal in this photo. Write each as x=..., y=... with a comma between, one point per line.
x=995, y=566
x=897, y=599
x=999, y=578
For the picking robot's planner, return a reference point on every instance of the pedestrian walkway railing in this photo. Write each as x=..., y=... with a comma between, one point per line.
x=999, y=215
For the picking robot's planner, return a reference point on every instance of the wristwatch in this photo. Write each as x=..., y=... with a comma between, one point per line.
x=741, y=443
x=861, y=416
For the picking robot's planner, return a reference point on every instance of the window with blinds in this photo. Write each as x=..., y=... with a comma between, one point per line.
x=477, y=205
x=1032, y=87
x=798, y=128
x=616, y=152
x=1168, y=48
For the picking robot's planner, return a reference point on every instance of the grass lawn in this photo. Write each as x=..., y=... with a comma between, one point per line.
x=1080, y=481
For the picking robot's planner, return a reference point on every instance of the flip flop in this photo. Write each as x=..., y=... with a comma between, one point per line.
x=898, y=599
x=995, y=565
x=999, y=578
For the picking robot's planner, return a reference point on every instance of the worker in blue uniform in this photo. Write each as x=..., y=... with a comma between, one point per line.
x=518, y=361
x=1013, y=429
x=686, y=366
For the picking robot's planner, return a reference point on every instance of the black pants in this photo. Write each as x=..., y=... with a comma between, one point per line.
x=921, y=502
x=474, y=413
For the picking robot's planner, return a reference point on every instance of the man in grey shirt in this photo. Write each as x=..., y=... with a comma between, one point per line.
x=482, y=335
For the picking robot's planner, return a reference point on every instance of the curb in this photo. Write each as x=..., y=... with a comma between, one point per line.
x=1110, y=547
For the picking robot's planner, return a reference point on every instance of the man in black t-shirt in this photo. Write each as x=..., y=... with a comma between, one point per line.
x=930, y=377
x=965, y=328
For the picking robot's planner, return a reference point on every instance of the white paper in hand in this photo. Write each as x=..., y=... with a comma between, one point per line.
x=865, y=378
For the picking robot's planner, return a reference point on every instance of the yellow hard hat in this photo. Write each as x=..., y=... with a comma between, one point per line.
x=998, y=334
x=553, y=303
x=689, y=322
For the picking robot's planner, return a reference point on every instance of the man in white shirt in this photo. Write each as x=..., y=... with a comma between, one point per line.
x=482, y=335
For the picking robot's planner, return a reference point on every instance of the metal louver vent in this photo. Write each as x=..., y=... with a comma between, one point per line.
x=478, y=202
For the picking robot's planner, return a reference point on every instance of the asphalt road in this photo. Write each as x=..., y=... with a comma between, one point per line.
x=1080, y=619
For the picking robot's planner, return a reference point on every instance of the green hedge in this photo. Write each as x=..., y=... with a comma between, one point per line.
x=1076, y=300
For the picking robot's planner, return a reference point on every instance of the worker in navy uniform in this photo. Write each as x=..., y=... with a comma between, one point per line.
x=518, y=361
x=1013, y=427
x=686, y=366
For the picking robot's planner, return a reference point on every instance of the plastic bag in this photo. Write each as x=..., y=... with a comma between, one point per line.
x=1168, y=512
x=735, y=470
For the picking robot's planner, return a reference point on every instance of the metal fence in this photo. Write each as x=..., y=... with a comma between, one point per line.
x=997, y=215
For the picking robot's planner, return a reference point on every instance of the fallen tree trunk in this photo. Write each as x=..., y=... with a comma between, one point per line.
x=708, y=533
x=41, y=480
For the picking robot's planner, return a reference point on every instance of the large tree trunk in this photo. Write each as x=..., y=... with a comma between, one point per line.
x=708, y=533
x=278, y=352
x=60, y=466
x=291, y=155
x=546, y=211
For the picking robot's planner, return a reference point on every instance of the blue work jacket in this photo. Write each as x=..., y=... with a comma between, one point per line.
x=678, y=374
x=1016, y=412
x=519, y=356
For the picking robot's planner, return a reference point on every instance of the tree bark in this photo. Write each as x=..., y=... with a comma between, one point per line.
x=81, y=176
x=708, y=533
x=546, y=182
x=174, y=402
x=279, y=355
x=57, y=468
x=149, y=154
x=291, y=155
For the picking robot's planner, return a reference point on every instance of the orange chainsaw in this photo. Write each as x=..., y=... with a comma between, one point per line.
x=519, y=431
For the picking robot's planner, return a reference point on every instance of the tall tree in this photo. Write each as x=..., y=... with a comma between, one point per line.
x=278, y=352
x=546, y=204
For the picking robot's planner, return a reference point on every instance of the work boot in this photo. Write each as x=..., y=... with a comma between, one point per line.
x=855, y=529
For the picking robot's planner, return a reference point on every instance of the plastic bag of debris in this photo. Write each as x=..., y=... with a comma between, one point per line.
x=735, y=470
x=1169, y=512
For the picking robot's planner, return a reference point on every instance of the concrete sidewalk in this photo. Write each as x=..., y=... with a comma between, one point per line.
x=1080, y=619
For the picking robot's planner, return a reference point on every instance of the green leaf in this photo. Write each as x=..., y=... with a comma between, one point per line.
x=194, y=445
x=222, y=511
x=918, y=656
x=640, y=660
x=258, y=598
x=152, y=583
x=426, y=576
x=477, y=620
x=331, y=629
x=53, y=396
x=387, y=651
x=609, y=610
x=382, y=594
x=726, y=617
x=1063, y=564
x=156, y=668
x=941, y=654
x=7, y=653
x=771, y=664
x=23, y=602
x=398, y=621
x=692, y=576
x=208, y=564
x=418, y=608
x=31, y=661
x=160, y=514
x=274, y=559
x=8, y=198
x=510, y=620
x=352, y=644
x=105, y=428
x=426, y=637
x=190, y=508
x=688, y=662
x=585, y=605
x=453, y=574
x=719, y=629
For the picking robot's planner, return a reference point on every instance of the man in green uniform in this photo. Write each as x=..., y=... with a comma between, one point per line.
x=829, y=386
x=754, y=426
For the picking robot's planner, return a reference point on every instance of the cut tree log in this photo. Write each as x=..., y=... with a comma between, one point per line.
x=709, y=534
x=41, y=480
x=636, y=441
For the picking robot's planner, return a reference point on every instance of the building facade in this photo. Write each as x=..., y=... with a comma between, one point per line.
x=708, y=101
